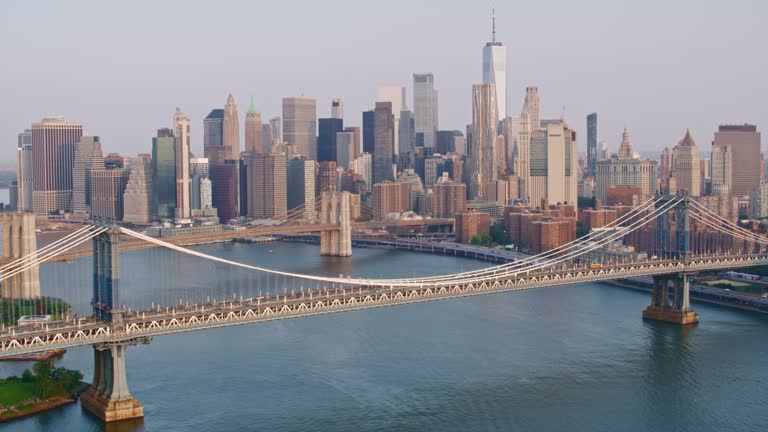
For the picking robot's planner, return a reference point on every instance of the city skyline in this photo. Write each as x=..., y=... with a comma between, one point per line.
x=679, y=71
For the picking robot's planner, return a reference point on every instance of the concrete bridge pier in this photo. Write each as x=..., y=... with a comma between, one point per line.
x=335, y=209
x=108, y=397
x=678, y=310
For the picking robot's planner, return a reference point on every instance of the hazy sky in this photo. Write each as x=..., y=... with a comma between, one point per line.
x=121, y=68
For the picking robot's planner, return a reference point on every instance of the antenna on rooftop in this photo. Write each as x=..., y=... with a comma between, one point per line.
x=493, y=20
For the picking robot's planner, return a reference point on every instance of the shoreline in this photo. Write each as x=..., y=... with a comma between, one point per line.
x=45, y=405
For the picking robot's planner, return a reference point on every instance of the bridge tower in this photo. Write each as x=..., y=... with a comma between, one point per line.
x=335, y=209
x=18, y=241
x=674, y=306
x=108, y=397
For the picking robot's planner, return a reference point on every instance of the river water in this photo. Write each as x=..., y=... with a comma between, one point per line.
x=576, y=358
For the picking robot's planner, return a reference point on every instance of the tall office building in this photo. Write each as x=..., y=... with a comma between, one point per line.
x=481, y=165
x=356, y=145
x=266, y=138
x=25, y=171
x=591, y=144
x=300, y=125
x=533, y=107
x=107, y=189
x=625, y=170
x=407, y=139
x=390, y=197
x=53, y=155
x=88, y=157
x=396, y=95
x=553, y=165
x=745, y=143
x=254, y=131
x=382, y=138
x=425, y=109
x=231, y=129
x=685, y=167
x=363, y=165
x=198, y=168
x=213, y=137
x=368, y=128
x=226, y=190
x=183, y=180
x=337, y=108
x=206, y=193
x=163, y=174
x=277, y=129
x=495, y=71
x=137, y=198
x=722, y=169
x=267, y=197
x=326, y=140
x=345, y=149
x=300, y=186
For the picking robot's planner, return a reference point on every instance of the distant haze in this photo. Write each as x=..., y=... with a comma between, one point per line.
x=121, y=68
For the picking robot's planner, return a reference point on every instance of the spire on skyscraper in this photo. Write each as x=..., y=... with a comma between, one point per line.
x=252, y=106
x=625, y=149
x=493, y=20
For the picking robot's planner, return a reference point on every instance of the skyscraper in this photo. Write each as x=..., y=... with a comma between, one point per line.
x=137, y=198
x=198, y=168
x=382, y=142
x=53, y=155
x=326, y=140
x=267, y=186
x=722, y=169
x=277, y=130
x=88, y=157
x=685, y=167
x=213, y=137
x=495, y=71
x=533, y=107
x=591, y=144
x=300, y=186
x=337, y=108
x=254, y=131
x=481, y=146
x=107, y=189
x=183, y=180
x=745, y=142
x=231, y=129
x=163, y=174
x=345, y=151
x=396, y=95
x=368, y=128
x=25, y=171
x=300, y=125
x=226, y=190
x=407, y=138
x=425, y=109
x=625, y=170
x=554, y=165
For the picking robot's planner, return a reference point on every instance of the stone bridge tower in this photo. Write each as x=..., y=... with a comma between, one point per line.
x=335, y=209
x=19, y=240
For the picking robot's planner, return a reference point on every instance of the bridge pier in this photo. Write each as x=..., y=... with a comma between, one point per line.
x=335, y=209
x=678, y=311
x=18, y=241
x=108, y=397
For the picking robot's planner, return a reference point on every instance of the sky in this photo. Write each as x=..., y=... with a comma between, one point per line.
x=121, y=68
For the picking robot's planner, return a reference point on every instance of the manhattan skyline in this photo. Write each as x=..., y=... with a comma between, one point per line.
x=121, y=71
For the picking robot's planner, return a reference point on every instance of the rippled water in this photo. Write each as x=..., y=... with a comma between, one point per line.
x=561, y=359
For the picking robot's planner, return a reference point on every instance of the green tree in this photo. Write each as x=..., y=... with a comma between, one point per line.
x=43, y=370
x=499, y=234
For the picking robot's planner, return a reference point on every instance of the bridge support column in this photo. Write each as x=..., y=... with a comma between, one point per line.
x=108, y=397
x=677, y=312
x=335, y=209
x=18, y=241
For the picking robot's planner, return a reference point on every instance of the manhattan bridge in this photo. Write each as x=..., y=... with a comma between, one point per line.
x=118, y=318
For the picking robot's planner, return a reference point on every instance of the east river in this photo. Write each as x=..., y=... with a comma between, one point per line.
x=575, y=358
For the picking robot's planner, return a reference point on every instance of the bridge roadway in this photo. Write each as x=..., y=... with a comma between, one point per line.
x=145, y=324
x=129, y=243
